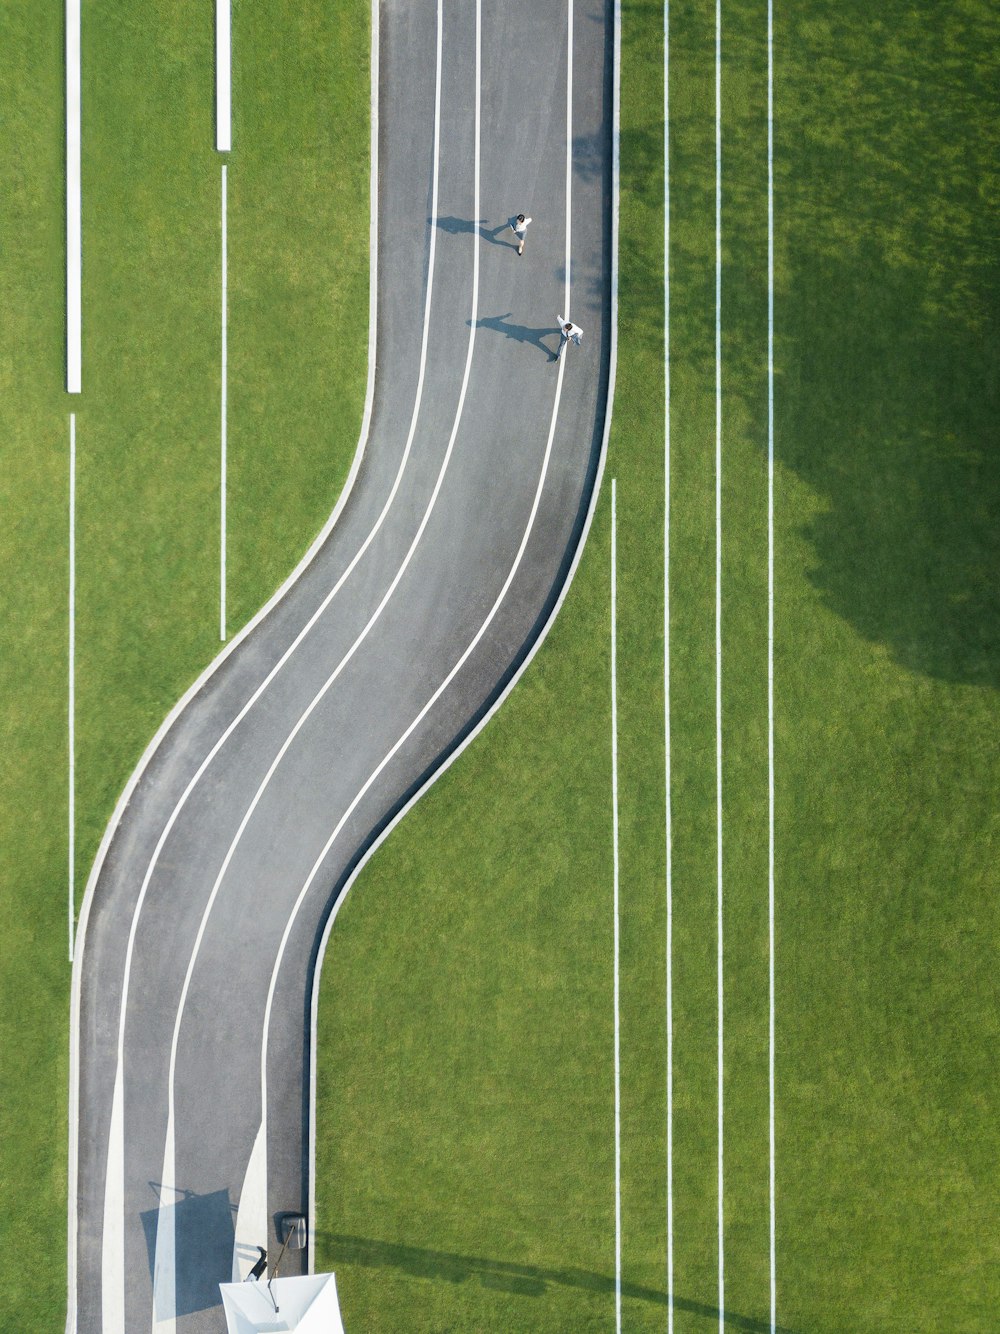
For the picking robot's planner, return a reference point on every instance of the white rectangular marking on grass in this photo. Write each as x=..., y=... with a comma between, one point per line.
x=614, y=827
x=718, y=636
x=770, y=648
x=74, y=232
x=668, y=813
x=72, y=683
x=223, y=76
x=222, y=426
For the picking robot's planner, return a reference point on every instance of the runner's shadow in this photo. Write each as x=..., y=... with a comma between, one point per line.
x=458, y=226
x=519, y=332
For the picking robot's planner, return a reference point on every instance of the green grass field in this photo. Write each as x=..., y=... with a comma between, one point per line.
x=466, y=1147
x=466, y=1152
x=148, y=450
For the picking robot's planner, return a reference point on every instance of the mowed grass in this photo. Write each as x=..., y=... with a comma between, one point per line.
x=148, y=451
x=465, y=1159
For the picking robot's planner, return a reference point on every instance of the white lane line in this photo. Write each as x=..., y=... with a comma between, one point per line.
x=223, y=76
x=668, y=812
x=112, y=1256
x=72, y=681
x=74, y=228
x=525, y=663
x=164, y=1276
x=223, y=413
x=190, y=694
x=770, y=649
x=614, y=828
x=258, y=1167
x=718, y=633
x=317, y=865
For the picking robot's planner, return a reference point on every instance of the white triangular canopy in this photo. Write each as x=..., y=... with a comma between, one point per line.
x=307, y=1305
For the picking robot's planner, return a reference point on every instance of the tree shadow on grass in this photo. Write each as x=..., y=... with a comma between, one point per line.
x=506, y=1276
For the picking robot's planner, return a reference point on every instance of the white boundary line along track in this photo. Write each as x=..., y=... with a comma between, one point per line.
x=615, y=913
x=770, y=653
x=165, y=1245
x=516, y=677
x=718, y=643
x=72, y=681
x=223, y=389
x=223, y=76
x=668, y=812
x=74, y=225
x=73, y=1156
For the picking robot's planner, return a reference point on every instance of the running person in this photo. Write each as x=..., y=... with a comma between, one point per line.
x=519, y=227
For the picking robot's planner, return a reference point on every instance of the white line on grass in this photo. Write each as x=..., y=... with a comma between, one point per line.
x=72, y=679
x=614, y=831
x=223, y=76
x=770, y=645
x=718, y=631
x=668, y=812
x=74, y=230
x=222, y=415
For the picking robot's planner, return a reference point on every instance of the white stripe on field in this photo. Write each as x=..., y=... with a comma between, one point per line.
x=614, y=827
x=770, y=645
x=223, y=76
x=74, y=229
x=668, y=814
x=72, y=679
x=223, y=409
x=718, y=633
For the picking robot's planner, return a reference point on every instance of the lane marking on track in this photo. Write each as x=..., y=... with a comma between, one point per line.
x=718, y=636
x=73, y=1155
x=770, y=651
x=615, y=878
x=72, y=682
x=483, y=627
x=223, y=415
x=668, y=812
x=223, y=76
x=113, y=1249
x=74, y=222
x=164, y=1297
x=500, y=699
x=260, y=1164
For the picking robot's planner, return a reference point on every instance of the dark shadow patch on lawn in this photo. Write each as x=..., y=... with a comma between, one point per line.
x=509, y=1276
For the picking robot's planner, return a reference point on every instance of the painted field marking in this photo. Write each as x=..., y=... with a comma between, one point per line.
x=770, y=651
x=72, y=681
x=223, y=412
x=718, y=638
x=74, y=228
x=614, y=829
x=223, y=76
x=668, y=813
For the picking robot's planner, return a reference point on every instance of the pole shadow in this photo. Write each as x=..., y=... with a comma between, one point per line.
x=506, y=1276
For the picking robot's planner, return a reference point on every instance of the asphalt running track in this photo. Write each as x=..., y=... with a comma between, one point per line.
x=202, y=925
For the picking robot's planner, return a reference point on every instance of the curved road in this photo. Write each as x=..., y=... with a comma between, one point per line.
x=202, y=929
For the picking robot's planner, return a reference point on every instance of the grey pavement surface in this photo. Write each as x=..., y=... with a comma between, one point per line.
x=318, y=741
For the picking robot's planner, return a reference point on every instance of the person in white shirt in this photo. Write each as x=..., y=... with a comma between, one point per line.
x=568, y=330
x=519, y=227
